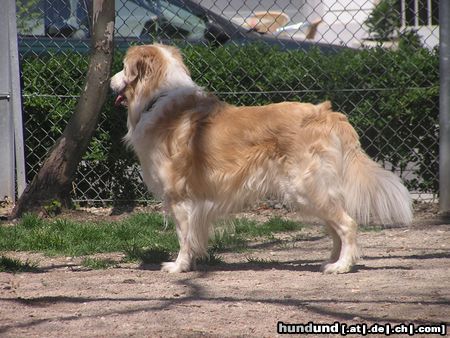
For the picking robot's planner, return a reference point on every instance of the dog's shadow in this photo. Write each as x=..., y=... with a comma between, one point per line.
x=313, y=265
x=297, y=266
x=301, y=265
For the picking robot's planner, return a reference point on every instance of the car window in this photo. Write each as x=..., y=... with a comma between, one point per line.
x=171, y=21
x=186, y=23
x=149, y=19
x=131, y=17
x=54, y=18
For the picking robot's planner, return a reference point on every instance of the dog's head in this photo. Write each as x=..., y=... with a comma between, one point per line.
x=147, y=71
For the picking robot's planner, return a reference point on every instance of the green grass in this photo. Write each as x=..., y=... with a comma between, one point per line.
x=212, y=259
x=370, y=228
x=142, y=237
x=77, y=238
x=236, y=235
x=8, y=264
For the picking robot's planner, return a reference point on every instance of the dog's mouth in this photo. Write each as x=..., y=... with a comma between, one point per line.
x=121, y=99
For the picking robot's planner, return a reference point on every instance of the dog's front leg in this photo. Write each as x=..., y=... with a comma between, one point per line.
x=193, y=219
x=181, y=213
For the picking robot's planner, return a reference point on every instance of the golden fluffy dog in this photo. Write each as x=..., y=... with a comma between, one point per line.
x=207, y=158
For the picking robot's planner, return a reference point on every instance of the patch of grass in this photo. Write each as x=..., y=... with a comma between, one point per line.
x=76, y=238
x=8, y=264
x=228, y=240
x=30, y=221
x=98, y=263
x=142, y=236
x=212, y=258
x=370, y=228
x=273, y=225
x=239, y=231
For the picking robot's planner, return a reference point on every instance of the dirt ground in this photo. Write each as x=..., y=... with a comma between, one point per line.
x=402, y=277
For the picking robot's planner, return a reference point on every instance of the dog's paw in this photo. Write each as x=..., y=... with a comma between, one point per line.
x=173, y=267
x=335, y=268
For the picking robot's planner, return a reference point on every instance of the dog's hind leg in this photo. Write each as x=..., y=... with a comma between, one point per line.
x=192, y=224
x=345, y=228
x=317, y=189
x=337, y=244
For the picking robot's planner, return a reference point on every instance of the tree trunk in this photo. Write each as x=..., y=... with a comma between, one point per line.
x=54, y=179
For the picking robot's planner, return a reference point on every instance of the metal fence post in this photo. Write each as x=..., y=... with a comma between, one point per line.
x=444, y=107
x=7, y=176
x=12, y=169
x=16, y=101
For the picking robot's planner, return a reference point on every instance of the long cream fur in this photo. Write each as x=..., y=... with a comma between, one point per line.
x=206, y=158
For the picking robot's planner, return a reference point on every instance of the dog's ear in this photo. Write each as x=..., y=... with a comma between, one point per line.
x=131, y=70
x=140, y=63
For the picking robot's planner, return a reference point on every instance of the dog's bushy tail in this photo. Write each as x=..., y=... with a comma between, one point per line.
x=372, y=191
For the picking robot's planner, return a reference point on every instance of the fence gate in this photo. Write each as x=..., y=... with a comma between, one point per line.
x=11, y=134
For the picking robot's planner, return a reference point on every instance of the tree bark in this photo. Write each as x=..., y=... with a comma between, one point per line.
x=54, y=179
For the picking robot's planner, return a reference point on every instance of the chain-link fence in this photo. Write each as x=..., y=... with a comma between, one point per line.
x=375, y=59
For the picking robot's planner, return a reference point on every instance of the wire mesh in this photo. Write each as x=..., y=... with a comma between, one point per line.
x=399, y=90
